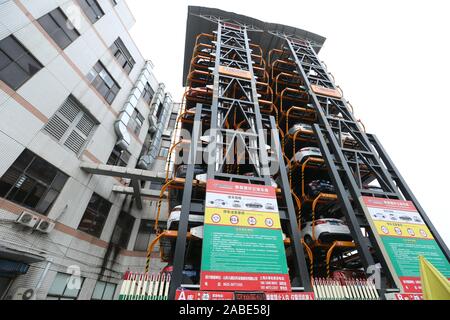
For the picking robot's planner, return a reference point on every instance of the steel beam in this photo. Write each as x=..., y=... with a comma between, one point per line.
x=180, y=246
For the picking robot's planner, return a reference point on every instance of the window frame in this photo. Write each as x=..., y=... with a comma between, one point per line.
x=97, y=216
x=120, y=161
x=148, y=94
x=63, y=28
x=103, y=291
x=118, y=47
x=15, y=61
x=25, y=174
x=86, y=6
x=98, y=79
x=64, y=297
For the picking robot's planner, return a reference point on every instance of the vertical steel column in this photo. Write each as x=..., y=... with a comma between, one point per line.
x=212, y=147
x=355, y=227
x=180, y=246
x=301, y=268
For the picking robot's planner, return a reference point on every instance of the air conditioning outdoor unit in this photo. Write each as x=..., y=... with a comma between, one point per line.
x=45, y=226
x=27, y=219
x=24, y=294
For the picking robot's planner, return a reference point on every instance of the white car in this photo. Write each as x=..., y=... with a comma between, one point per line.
x=300, y=126
x=306, y=153
x=326, y=230
x=195, y=220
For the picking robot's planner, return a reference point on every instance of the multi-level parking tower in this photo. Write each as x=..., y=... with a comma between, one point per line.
x=256, y=95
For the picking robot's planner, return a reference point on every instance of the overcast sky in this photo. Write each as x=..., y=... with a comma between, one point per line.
x=391, y=58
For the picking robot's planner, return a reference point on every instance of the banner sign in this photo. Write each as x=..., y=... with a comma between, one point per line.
x=404, y=236
x=243, y=248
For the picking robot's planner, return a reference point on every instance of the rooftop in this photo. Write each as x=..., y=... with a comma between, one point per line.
x=196, y=24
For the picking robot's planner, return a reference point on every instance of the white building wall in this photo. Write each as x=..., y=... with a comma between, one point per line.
x=24, y=113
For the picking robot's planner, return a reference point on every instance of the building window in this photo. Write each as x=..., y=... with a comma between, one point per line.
x=148, y=94
x=146, y=234
x=136, y=122
x=95, y=216
x=92, y=9
x=122, y=230
x=102, y=80
x=59, y=28
x=159, y=111
x=119, y=157
x=63, y=288
x=156, y=185
x=17, y=65
x=173, y=121
x=104, y=291
x=164, y=152
x=71, y=126
x=122, y=55
x=32, y=182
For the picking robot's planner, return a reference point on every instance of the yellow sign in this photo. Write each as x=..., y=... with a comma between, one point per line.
x=242, y=218
x=404, y=230
x=434, y=285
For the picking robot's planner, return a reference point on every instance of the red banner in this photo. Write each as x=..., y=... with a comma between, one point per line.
x=411, y=284
x=240, y=189
x=403, y=296
x=235, y=281
x=290, y=296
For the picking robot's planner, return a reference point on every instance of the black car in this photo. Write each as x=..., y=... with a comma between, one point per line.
x=316, y=187
x=182, y=170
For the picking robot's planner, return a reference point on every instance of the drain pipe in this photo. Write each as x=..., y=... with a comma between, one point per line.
x=147, y=160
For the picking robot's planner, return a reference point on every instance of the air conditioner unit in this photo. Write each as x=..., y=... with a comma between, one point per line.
x=27, y=219
x=45, y=226
x=24, y=294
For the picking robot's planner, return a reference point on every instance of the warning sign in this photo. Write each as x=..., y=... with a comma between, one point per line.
x=243, y=248
x=404, y=237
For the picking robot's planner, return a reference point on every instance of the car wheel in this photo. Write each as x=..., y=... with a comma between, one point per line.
x=308, y=240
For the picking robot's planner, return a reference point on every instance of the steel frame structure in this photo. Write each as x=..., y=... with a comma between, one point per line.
x=353, y=167
x=235, y=92
x=232, y=98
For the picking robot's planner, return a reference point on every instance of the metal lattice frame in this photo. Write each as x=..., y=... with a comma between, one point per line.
x=352, y=167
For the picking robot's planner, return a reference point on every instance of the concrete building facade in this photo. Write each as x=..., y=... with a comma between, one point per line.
x=82, y=120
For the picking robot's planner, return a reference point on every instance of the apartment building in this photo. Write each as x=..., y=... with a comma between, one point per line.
x=85, y=130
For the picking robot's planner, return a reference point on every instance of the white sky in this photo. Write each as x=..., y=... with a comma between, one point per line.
x=391, y=58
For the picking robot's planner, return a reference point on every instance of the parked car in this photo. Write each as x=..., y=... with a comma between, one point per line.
x=316, y=187
x=326, y=230
x=174, y=219
x=306, y=153
x=300, y=126
x=199, y=172
x=348, y=274
x=347, y=140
